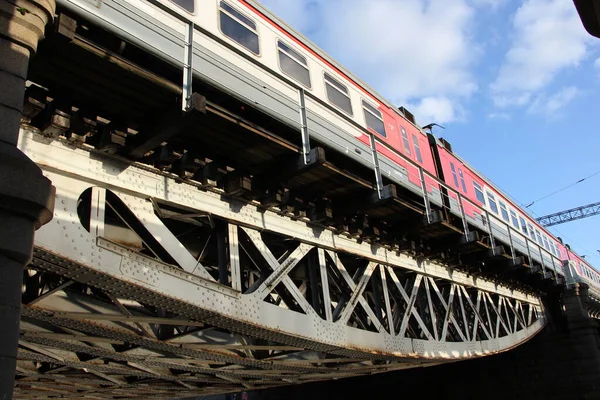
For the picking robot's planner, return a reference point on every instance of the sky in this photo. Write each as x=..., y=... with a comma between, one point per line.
x=515, y=84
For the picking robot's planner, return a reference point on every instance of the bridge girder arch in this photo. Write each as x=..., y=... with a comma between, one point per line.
x=256, y=299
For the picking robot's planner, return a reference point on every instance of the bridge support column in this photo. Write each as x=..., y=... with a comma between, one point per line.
x=26, y=196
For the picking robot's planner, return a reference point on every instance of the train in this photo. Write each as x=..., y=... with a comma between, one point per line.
x=246, y=51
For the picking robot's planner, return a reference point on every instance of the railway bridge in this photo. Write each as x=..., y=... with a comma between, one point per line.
x=188, y=243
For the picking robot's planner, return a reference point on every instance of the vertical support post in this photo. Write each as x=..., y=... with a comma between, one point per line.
x=234, y=258
x=377, y=297
x=378, y=178
x=325, y=285
x=27, y=195
x=386, y=297
x=529, y=251
x=510, y=241
x=434, y=324
x=304, y=127
x=554, y=259
x=312, y=267
x=221, y=231
x=477, y=316
x=490, y=231
x=425, y=196
x=464, y=315
x=188, y=54
x=554, y=266
x=98, y=208
x=449, y=314
x=542, y=259
x=463, y=215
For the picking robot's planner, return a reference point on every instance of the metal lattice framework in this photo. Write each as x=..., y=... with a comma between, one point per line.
x=570, y=215
x=142, y=282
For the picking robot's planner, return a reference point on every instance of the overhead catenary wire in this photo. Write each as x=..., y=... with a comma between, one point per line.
x=562, y=189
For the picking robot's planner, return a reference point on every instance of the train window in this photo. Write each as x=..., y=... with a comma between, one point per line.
x=478, y=192
x=338, y=94
x=539, y=237
x=546, y=245
x=531, y=232
x=293, y=64
x=454, y=174
x=492, y=203
x=373, y=118
x=523, y=225
x=238, y=27
x=513, y=219
x=405, y=140
x=417, y=149
x=504, y=211
x=462, y=180
x=187, y=5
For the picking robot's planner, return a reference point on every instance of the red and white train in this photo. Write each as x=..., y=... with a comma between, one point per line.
x=246, y=51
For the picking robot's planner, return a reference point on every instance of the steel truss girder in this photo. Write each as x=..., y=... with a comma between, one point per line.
x=371, y=309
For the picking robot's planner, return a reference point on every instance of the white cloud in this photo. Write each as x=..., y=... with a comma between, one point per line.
x=499, y=115
x=436, y=109
x=493, y=4
x=597, y=64
x=551, y=105
x=297, y=13
x=548, y=39
x=410, y=51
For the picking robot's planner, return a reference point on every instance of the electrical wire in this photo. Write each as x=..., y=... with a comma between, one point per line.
x=560, y=190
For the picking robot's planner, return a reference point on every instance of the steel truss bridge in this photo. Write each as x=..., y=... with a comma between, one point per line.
x=572, y=214
x=114, y=295
x=174, y=267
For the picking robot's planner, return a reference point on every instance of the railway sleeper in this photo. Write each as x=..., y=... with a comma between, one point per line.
x=35, y=101
x=54, y=120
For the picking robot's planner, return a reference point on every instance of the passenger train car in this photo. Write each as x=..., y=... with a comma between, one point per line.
x=246, y=51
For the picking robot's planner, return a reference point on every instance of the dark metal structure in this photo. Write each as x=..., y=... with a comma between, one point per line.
x=589, y=12
x=570, y=215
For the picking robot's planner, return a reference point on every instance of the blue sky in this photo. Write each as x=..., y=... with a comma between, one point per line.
x=516, y=84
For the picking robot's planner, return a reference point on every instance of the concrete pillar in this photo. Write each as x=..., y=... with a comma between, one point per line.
x=26, y=196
